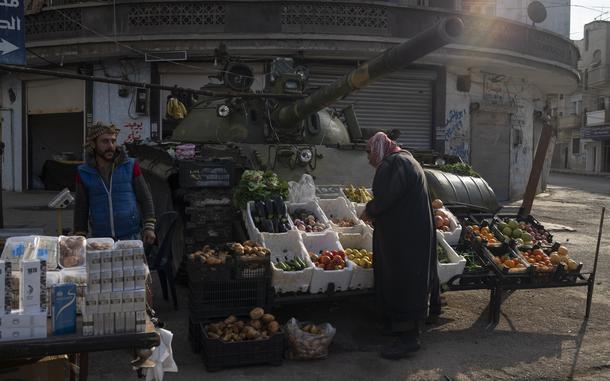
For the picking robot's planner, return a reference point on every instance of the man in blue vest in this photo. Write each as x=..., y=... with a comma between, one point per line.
x=112, y=197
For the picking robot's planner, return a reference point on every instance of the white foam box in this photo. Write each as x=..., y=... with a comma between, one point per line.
x=94, y=281
x=139, y=300
x=33, y=286
x=6, y=293
x=321, y=279
x=109, y=324
x=446, y=271
x=94, y=261
x=138, y=257
x=98, y=324
x=11, y=334
x=139, y=277
x=106, y=260
x=140, y=321
x=129, y=278
x=117, y=260
x=91, y=303
x=88, y=324
x=128, y=258
x=119, y=322
x=117, y=279
x=103, y=305
x=128, y=301
x=116, y=301
x=130, y=321
x=106, y=281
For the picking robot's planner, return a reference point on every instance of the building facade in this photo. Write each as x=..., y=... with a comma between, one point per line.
x=481, y=99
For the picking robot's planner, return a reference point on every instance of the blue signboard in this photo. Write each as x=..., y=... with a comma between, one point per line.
x=12, y=32
x=592, y=132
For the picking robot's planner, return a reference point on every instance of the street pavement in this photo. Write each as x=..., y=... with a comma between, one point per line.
x=541, y=335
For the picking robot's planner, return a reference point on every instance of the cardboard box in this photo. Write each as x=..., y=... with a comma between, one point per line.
x=16, y=319
x=63, y=308
x=128, y=278
x=139, y=300
x=139, y=277
x=6, y=292
x=140, y=321
x=94, y=281
x=33, y=286
x=106, y=256
x=117, y=260
x=106, y=281
x=130, y=321
x=39, y=320
x=88, y=325
x=117, y=279
x=109, y=324
x=91, y=303
x=116, y=301
x=98, y=324
x=12, y=334
x=128, y=258
x=50, y=368
x=94, y=261
x=119, y=322
x=103, y=305
x=138, y=257
x=39, y=332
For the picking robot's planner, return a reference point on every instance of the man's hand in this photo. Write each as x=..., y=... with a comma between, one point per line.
x=148, y=236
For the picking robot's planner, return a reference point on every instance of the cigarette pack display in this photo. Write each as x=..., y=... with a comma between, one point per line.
x=109, y=324
x=127, y=305
x=63, y=308
x=94, y=281
x=117, y=259
x=91, y=302
x=106, y=281
x=129, y=278
x=138, y=257
x=98, y=324
x=139, y=300
x=117, y=279
x=103, y=305
x=140, y=321
x=130, y=321
x=6, y=292
x=139, y=277
x=128, y=258
x=116, y=301
x=88, y=325
x=119, y=322
x=33, y=286
x=106, y=256
x=94, y=261
x=39, y=332
x=10, y=334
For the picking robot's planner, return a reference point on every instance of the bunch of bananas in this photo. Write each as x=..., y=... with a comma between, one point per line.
x=176, y=109
x=359, y=195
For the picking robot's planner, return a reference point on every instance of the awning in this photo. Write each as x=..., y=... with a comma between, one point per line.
x=597, y=133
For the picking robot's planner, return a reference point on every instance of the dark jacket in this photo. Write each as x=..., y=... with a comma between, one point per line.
x=110, y=202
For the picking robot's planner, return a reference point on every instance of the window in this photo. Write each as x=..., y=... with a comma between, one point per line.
x=586, y=40
x=576, y=146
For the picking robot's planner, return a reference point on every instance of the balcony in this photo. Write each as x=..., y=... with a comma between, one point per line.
x=570, y=121
x=598, y=118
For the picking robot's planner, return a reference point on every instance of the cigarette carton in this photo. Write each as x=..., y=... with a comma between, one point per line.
x=128, y=258
x=94, y=261
x=98, y=324
x=106, y=281
x=139, y=300
x=117, y=279
x=33, y=282
x=130, y=321
x=109, y=324
x=138, y=257
x=94, y=281
x=103, y=305
x=128, y=278
x=139, y=277
x=11, y=334
x=140, y=321
x=119, y=322
x=127, y=304
x=6, y=292
x=88, y=325
x=63, y=308
x=39, y=332
x=91, y=303
x=116, y=301
x=117, y=260
x=106, y=256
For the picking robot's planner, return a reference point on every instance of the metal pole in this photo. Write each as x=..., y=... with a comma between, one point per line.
x=537, y=165
x=592, y=276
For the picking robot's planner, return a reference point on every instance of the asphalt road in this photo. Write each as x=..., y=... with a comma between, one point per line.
x=541, y=336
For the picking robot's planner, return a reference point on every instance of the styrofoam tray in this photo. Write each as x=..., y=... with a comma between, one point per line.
x=361, y=278
x=321, y=279
x=288, y=245
x=447, y=270
x=452, y=237
x=311, y=206
x=340, y=208
x=253, y=232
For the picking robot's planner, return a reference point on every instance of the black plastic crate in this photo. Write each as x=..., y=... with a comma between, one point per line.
x=215, y=232
x=194, y=334
x=209, y=197
x=253, y=268
x=219, y=355
x=202, y=174
x=219, y=299
x=212, y=214
x=199, y=272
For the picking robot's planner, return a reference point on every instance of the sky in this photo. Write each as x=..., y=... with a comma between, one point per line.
x=585, y=11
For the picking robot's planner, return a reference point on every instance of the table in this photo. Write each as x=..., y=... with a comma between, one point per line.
x=77, y=346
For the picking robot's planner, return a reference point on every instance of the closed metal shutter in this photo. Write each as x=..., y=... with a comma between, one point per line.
x=402, y=100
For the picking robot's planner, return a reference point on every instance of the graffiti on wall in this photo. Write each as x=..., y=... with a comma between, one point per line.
x=456, y=135
x=134, y=131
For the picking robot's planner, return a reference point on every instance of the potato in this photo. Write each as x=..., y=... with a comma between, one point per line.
x=267, y=318
x=213, y=335
x=257, y=313
x=273, y=327
x=231, y=319
x=256, y=324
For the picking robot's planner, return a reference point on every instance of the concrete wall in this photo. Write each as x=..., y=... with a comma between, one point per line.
x=457, y=120
x=557, y=20
x=109, y=107
x=12, y=124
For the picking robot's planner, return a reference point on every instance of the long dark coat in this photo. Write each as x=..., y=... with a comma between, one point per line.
x=404, y=256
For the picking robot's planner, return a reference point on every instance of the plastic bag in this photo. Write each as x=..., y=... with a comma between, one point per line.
x=303, y=191
x=308, y=346
x=72, y=251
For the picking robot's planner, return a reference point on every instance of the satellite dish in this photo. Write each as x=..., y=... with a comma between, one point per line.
x=536, y=12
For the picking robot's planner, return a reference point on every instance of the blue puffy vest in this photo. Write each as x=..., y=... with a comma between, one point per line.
x=112, y=212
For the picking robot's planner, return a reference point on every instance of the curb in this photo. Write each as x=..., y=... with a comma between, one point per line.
x=580, y=173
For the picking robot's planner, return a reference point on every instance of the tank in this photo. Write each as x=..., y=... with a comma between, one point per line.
x=287, y=128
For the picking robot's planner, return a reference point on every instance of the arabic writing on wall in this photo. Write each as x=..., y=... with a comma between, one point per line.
x=456, y=135
x=13, y=23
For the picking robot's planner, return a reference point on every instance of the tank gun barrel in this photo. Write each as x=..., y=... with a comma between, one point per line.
x=393, y=59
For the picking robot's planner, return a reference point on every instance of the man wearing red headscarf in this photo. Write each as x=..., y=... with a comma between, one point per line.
x=404, y=243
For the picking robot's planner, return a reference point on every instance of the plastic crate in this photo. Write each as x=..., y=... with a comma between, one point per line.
x=201, y=174
x=218, y=354
x=213, y=214
x=288, y=245
x=339, y=208
x=447, y=271
x=213, y=232
x=199, y=272
x=313, y=208
x=252, y=268
x=362, y=278
x=321, y=279
x=209, y=197
x=452, y=237
x=194, y=335
x=219, y=299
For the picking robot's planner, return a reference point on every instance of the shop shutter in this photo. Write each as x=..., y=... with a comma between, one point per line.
x=402, y=100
